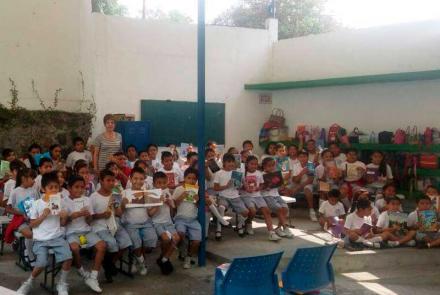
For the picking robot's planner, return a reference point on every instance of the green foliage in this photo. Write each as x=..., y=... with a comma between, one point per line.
x=174, y=16
x=13, y=104
x=109, y=7
x=296, y=17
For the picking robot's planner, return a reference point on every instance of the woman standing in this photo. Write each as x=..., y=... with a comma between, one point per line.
x=106, y=144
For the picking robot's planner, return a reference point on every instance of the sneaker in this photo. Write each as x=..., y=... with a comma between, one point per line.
x=287, y=232
x=249, y=229
x=393, y=244
x=368, y=244
x=25, y=287
x=62, y=288
x=134, y=269
x=411, y=243
x=223, y=222
x=142, y=269
x=83, y=273
x=187, y=263
x=313, y=215
x=273, y=236
x=241, y=232
x=279, y=231
x=93, y=284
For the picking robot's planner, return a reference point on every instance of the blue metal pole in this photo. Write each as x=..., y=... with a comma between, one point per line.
x=201, y=124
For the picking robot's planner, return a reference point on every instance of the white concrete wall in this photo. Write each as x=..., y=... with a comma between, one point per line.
x=382, y=50
x=372, y=107
x=137, y=59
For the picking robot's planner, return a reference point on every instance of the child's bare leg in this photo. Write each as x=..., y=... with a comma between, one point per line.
x=281, y=217
x=267, y=218
x=100, y=249
x=194, y=248
x=434, y=243
x=309, y=197
x=27, y=233
x=322, y=221
x=138, y=252
x=171, y=246
x=75, y=248
x=251, y=214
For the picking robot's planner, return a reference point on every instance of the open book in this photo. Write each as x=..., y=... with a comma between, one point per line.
x=428, y=219
x=365, y=229
x=192, y=191
x=4, y=168
x=146, y=198
x=213, y=166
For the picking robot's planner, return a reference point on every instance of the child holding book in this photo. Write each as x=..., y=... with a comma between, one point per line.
x=338, y=155
x=251, y=195
x=148, y=183
x=79, y=232
x=389, y=191
x=378, y=173
x=163, y=224
x=48, y=235
x=227, y=189
x=81, y=168
x=274, y=201
x=394, y=222
x=327, y=174
x=186, y=221
x=331, y=210
x=358, y=226
x=79, y=153
x=425, y=221
x=174, y=173
x=137, y=221
x=104, y=223
x=353, y=171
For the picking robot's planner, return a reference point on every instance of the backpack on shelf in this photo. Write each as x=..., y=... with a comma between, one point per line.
x=428, y=161
x=413, y=136
x=435, y=136
x=385, y=137
x=400, y=136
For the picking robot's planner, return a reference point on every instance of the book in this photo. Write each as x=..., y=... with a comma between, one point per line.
x=237, y=158
x=373, y=173
x=324, y=186
x=55, y=204
x=171, y=179
x=428, y=219
x=273, y=179
x=25, y=206
x=213, y=166
x=78, y=204
x=184, y=149
x=351, y=171
x=145, y=199
x=311, y=168
x=282, y=164
x=237, y=179
x=192, y=191
x=336, y=227
x=4, y=168
x=365, y=229
x=400, y=220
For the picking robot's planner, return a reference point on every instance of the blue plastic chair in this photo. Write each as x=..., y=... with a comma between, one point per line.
x=309, y=270
x=249, y=275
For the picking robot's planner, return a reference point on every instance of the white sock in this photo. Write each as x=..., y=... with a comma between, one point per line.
x=221, y=212
x=217, y=214
x=140, y=259
x=241, y=221
x=94, y=274
x=63, y=276
x=164, y=259
x=28, y=244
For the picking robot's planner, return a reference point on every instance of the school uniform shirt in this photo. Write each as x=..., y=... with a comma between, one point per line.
x=413, y=218
x=254, y=179
x=340, y=159
x=384, y=220
x=350, y=171
x=163, y=215
x=148, y=183
x=223, y=177
x=175, y=175
x=75, y=156
x=8, y=187
x=78, y=225
x=186, y=209
x=20, y=194
x=293, y=163
x=133, y=215
x=64, y=193
x=50, y=228
x=353, y=221
x=99, y=204
x=329, y=210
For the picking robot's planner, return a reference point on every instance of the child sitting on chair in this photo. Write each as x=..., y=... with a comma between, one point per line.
x=79, y=232
x=48, y=235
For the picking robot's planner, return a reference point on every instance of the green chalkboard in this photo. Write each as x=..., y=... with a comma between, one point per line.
x=176, y=121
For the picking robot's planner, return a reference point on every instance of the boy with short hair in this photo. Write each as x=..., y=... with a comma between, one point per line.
x=8, y=155
x=331, y=208
x=163, y=223
x=303, y=182
x=358, y=226
x=48, y=234
x=105, y=208
x=78, y=153
x=136, y=220
x=228, y=194
x=186, y=217
x=428, y=239
x=174, y=173
x=44, y=166
x=79, y=232
x=398, y=234
x=131, y=156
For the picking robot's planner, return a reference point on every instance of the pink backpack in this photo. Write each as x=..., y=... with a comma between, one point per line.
x=399, y=136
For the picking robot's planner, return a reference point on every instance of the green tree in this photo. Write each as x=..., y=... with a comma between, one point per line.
x=109, y=7
x=174, y=16
x=296, y=17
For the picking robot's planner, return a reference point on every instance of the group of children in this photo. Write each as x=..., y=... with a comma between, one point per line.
x=112, y=211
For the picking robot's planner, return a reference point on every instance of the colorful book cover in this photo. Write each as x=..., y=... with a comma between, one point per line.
x=336, y=227
x=400, y=220
x=273, y=179
x=324, y=186
x=55, y=204
x=78, y=204
x=237, y=158
x=237, y=179
x=192, y=191
x=213, y=166
x=283, y=164
x=428, y=219
x=352, y=171
x=146, y=198
x=365, y=229
x=4, y=168
x=184, y=149
x=373, y=173
x=251, y=182
x=311, y=168
x=25, y=206
x=171, y=179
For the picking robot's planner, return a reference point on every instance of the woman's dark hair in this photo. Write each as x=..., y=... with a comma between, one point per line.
x=25, y=172
x=266, y=150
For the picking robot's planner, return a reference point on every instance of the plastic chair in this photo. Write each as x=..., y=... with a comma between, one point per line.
x=249, y=275
x=309, y=270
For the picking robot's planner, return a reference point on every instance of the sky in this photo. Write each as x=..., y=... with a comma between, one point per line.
x=350, y=13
